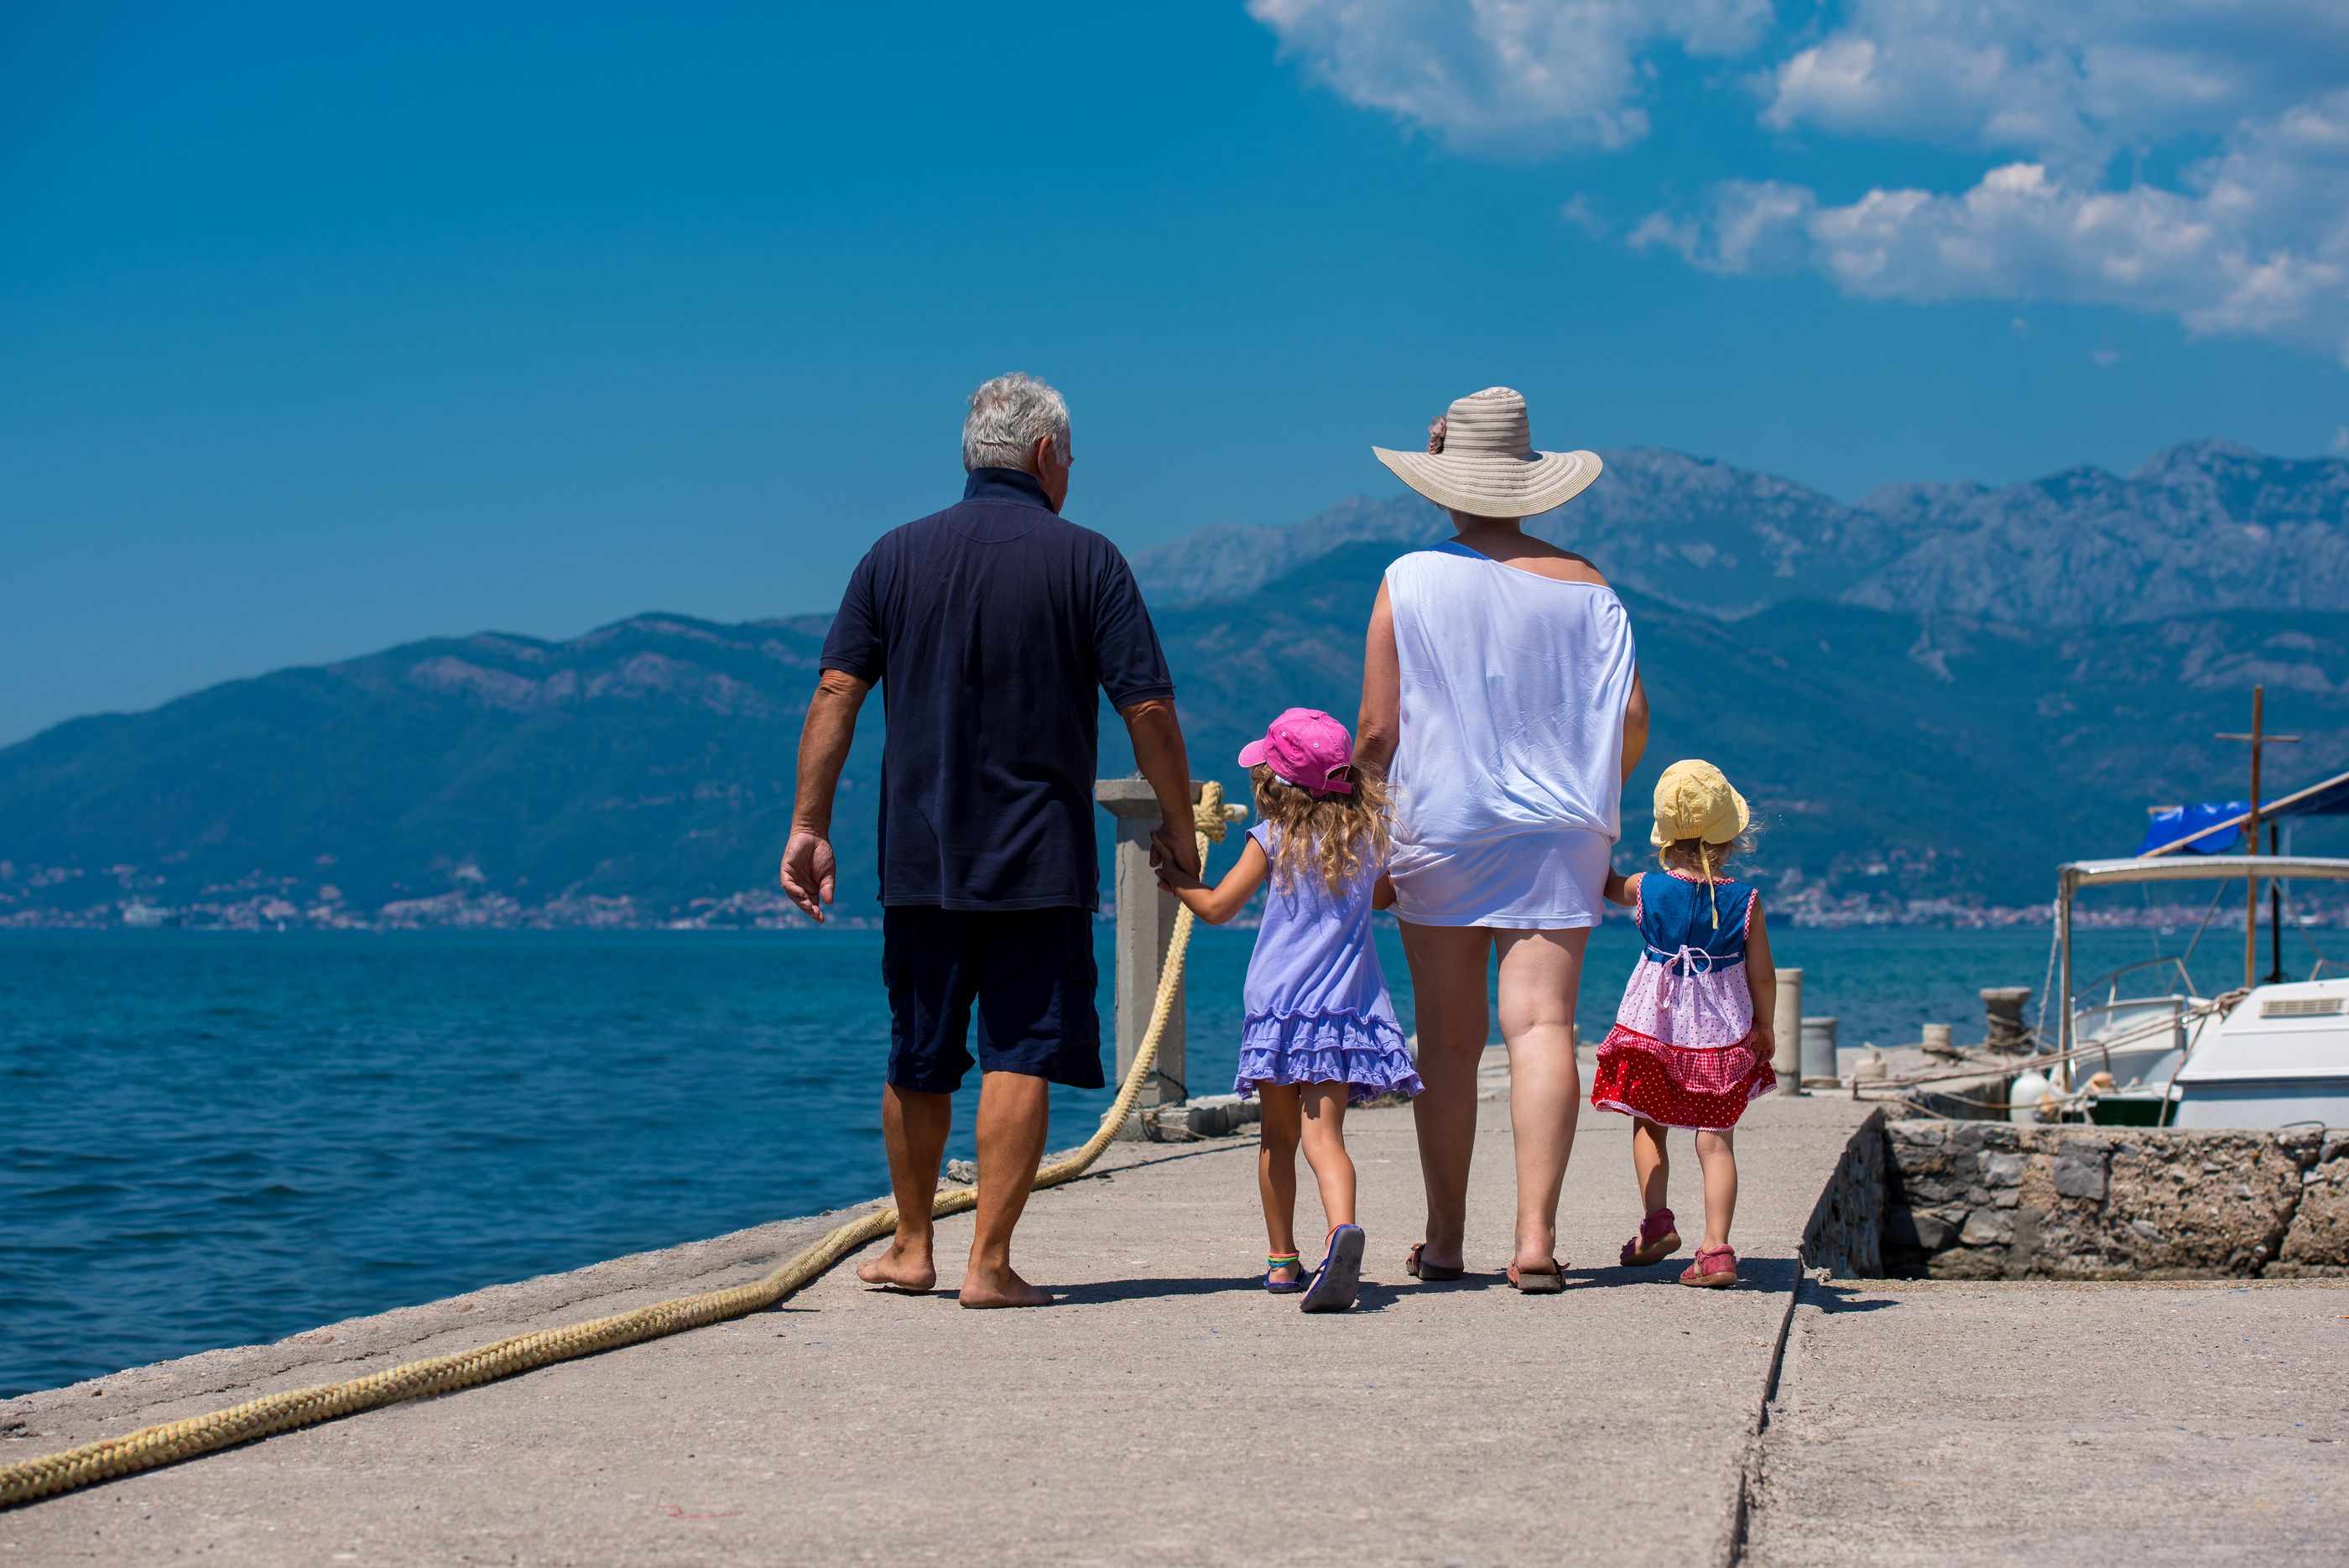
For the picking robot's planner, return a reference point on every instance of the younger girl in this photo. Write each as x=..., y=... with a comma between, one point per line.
x=1692, y=1044
x=1321, y=1030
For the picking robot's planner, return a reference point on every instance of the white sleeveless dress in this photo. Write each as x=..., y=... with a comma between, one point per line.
x=1508, y=765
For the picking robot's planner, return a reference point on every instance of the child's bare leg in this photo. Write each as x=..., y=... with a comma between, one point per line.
x=1325, y=1150
x=1714, y=1152
x=1652, y=1163
x=1276, y=1171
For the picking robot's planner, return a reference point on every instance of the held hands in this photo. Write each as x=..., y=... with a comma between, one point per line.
x=1175, y=852
x=808, y=872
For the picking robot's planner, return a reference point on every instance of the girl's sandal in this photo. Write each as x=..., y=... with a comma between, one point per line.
x=1658, y=1239
x=1284, y=1287
x=1339, y=1277
x=1715, y=1269
x=1419, y=1268
x=1534, y=1282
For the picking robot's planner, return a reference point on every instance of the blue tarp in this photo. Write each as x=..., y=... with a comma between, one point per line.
x=2177, y=822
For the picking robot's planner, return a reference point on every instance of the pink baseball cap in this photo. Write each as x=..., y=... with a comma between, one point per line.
x=1307, y=748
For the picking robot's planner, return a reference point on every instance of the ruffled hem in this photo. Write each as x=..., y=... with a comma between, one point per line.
x=1677, y=1086
x=1369, y=1055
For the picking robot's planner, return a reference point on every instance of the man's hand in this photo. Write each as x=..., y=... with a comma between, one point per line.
x=1173, y=877
x=808, y=872
x=1174, y=847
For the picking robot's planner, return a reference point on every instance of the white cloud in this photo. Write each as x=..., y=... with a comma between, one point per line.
x=1576, y=210
x=2064, y=81
x=2188, y=158
x=1526, y=75
x=2258, y=246
x=2339, y=445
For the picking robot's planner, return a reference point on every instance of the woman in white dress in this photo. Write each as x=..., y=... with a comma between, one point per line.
x=1501, y=696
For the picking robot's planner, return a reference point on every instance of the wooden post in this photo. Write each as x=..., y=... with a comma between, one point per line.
x=2259, y=741
x=1146, y=924
x=2251, y=848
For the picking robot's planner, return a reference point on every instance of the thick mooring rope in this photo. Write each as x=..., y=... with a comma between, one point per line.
x=172, y=1441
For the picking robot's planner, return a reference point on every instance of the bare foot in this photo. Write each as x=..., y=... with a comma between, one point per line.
x=900, y=1268
x=1001, y=1288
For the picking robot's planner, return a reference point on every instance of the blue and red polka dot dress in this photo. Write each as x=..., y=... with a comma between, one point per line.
x=1682, y=1052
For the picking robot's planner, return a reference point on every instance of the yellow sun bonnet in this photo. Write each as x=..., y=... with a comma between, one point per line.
x=1693, y=800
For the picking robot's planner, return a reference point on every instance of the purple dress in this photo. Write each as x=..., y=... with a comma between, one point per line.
x=1318, y=1010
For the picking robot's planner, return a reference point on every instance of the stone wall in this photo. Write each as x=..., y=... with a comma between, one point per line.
x=1978, y=1200
x=1846, y=1232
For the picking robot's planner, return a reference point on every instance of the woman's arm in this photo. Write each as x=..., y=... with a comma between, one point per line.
x=1379, y=723
x=1761, y=983
x=1635, y=724
x=1228, y=897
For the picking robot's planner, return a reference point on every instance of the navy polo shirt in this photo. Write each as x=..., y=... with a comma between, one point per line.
x=990, y=626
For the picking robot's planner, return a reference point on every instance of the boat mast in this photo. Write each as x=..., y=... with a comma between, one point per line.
x=2259, y=739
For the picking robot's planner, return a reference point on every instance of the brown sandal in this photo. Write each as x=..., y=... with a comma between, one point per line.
x=1419, y=1268
x=1534, y=1282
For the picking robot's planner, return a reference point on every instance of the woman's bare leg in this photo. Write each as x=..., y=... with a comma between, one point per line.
x=1539, y=973
x=1325, y=1150
x=1716, y=1152
x=1448, y=986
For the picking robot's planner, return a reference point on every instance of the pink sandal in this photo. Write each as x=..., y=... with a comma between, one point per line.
x=1715, y=1269
x=1658, y=1239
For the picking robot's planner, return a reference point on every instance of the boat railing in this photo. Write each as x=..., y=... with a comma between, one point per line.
x=2110, y=983
x=2085, y=1035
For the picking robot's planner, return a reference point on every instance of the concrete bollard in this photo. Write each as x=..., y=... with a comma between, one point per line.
x=1938, y=1039
x=1787, y=1025
x=1818, y=1056
x=1146, y=924
x=2005, y=1029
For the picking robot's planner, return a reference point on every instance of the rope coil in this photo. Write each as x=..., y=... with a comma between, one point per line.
x=172, y=1441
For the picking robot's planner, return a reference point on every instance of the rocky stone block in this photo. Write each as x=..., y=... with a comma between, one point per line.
x=1974, y=1200
x=2078, y=1174
x=2317, y=1241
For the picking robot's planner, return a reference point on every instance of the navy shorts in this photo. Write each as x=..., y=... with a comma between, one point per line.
x=1031, y=972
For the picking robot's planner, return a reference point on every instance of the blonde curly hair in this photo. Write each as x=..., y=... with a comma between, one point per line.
x=1335, y=837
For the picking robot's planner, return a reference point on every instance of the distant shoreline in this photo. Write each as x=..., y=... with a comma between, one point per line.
x=751, y=912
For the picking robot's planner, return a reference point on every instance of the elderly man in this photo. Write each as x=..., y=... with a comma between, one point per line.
x=989, y=625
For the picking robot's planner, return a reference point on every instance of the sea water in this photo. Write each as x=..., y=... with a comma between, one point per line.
x=211, y=1139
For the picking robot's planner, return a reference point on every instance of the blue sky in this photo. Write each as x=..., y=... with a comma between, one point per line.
x=325, y=328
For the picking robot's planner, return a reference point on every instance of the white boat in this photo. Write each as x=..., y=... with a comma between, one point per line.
x=2143, y=1045
x=2280, y=1058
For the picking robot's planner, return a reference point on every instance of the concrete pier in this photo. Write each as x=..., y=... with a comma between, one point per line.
x=1166, y=1410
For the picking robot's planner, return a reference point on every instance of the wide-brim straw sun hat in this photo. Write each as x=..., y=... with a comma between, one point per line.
x=1484, y=463
x=1694, y=800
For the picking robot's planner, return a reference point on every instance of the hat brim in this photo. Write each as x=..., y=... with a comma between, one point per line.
x=1493, y=485
x=1744, y=819
x=1252, y=754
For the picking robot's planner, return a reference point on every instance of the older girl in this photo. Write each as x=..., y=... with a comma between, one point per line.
x=1321, y=1030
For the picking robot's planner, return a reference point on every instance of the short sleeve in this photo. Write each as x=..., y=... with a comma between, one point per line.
x=854, y=645
x=1125, y=645
x=1262, y=833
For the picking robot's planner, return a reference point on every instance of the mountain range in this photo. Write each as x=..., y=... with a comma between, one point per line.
x=1932, y=697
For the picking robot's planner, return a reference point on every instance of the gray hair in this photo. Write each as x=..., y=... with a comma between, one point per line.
x=1008, y=416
